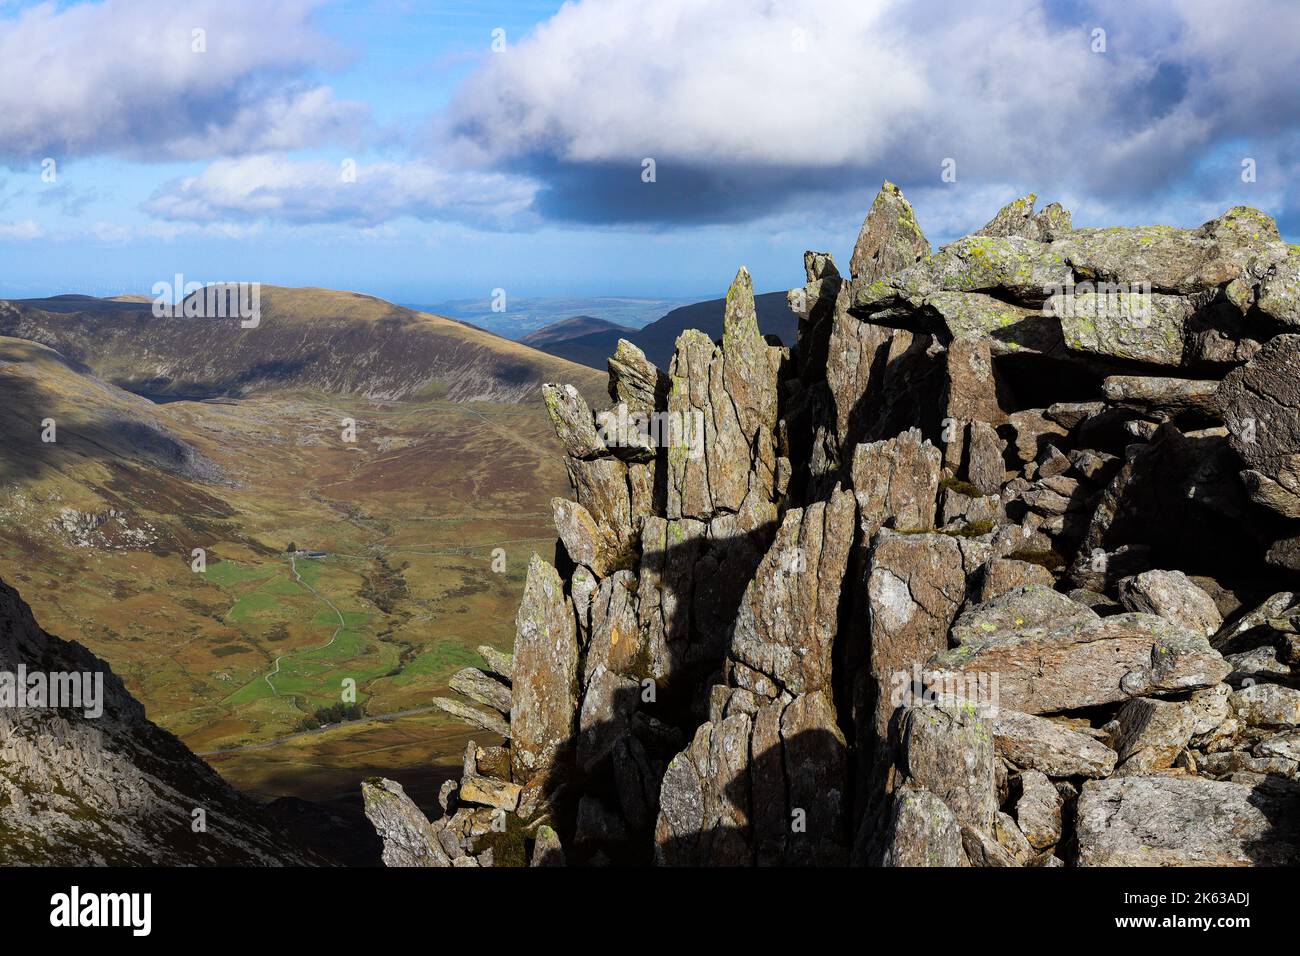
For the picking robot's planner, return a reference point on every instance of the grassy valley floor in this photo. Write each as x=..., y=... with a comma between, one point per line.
x=234, y=659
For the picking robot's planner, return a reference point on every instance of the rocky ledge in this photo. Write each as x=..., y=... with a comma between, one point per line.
x=996, y=566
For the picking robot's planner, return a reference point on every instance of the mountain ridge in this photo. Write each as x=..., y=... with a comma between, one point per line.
x=332, y=340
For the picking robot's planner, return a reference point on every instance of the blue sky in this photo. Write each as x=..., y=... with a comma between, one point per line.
x=770, y=122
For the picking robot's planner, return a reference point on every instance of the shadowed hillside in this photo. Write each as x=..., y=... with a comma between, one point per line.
x=339, y=342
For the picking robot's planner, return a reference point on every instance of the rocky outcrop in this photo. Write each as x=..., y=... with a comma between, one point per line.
x=991, y=567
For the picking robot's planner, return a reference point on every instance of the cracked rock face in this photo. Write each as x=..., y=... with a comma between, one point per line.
x=988, y=568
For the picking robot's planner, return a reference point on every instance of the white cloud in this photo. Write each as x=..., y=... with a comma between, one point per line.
x=123, y=76
x=20, y=230
x=799, y=83
x=757, y=96
x=277, y=189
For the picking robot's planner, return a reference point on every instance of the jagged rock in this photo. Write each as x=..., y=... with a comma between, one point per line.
x=634, y=380
x=1260, y=402
x=499, y=662
x=489, y=792
x=1256, y=664
x=1005, y=574
x=601, y=487
x=998, y=327
x=1184, y=821
x=1133, y=326
x=1046, y=669
x=732, y=390
x=1033, y=431
x=1163, y=398
x=717, y=569
x=1018, y=219
x=790, y=610
x=971, y=393
x=477, y=686
x=882, y=380
x=547, y=850
x=896, y=483
x=1038, y=811
x=1030, y=610
x=573, y=421
x=616, y=641
x=983, y=850
x=890, y=239
x=703, y=805
x=1285, y=746
x=1172, y=596
x=985, y=465
x=472, y=715
x=1035, y=743
x=545, y=692
x=922, y=831
x=1152, y=733
x=1181, y=261
x=409, y=838
x=948, y=750
x=1279, y=292
x=1210, y=707
x=915, y=584
x=586, y=541
x=1267, y=705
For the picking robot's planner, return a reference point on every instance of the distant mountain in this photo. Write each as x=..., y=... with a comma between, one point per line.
x=573, y=328
x=81, y=788
x=659, y=339
x=319, y=339
x=524, y=315
x=583, y=339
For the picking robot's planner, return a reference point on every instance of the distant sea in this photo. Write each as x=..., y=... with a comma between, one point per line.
x=522, y=316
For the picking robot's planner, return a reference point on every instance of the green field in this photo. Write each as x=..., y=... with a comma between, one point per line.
x=408, y=517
